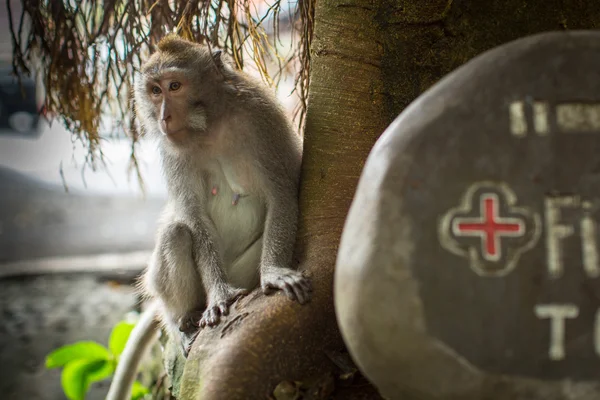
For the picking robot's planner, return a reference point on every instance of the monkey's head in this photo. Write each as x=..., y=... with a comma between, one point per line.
x=179, y=88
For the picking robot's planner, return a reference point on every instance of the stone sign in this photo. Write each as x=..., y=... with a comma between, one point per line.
x=471, y=253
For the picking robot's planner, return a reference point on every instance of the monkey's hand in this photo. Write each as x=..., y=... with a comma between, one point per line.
x=295, y=285
x=218, y=304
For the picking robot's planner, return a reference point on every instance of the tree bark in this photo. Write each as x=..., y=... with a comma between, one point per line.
x=425, y=40
x=370, y=59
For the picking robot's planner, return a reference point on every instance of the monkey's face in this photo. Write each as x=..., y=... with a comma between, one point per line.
x=173, y=107
x=180, y=91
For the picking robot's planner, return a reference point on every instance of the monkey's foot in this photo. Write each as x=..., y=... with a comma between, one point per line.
x=295, y=285
x=219, y=305
x=187, y=339
x=190, y=322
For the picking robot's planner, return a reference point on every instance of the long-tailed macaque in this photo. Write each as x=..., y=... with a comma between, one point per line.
x=232, y=162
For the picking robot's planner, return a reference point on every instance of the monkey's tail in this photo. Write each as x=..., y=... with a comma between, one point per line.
x=143, y=335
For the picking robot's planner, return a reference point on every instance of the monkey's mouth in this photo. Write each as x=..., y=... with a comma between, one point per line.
x=169, y=128
x=172, y=134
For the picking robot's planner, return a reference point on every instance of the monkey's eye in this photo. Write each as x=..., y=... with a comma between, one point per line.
x=174, y=86
x=156, y=90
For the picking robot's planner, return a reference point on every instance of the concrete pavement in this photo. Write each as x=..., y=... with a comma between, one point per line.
x=42, y=313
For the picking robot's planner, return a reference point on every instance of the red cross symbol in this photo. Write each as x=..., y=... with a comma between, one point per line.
x=490, y=227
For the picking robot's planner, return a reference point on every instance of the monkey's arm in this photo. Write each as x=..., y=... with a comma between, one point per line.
x=279, y=238
x=219, y=293
x=142, y=336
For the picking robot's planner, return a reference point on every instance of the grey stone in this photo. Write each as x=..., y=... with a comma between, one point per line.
x=469, y=264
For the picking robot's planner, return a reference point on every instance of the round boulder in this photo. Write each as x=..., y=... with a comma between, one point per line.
x=469, y=266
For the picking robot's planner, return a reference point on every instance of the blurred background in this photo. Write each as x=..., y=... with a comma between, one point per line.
x=73, y=236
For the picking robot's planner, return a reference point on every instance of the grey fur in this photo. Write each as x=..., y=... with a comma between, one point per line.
x=212, y=248
x=231, y=217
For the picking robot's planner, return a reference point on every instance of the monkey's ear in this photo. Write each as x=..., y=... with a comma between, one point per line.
x=217, y=58
x=223, y=61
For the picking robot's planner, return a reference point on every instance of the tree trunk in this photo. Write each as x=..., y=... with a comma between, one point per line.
x=271, y=339
x=370, y=59
x=424, y=41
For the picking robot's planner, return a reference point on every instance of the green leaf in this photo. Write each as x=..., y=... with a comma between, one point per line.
x=85, y=350
x=103, y=371
x=138, y=391
x=79, y=374
x=119, y=336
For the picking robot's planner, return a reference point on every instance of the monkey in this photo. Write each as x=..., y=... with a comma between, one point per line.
x=231, y=162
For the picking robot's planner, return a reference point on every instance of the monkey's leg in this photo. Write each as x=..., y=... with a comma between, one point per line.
x=220, y=294
x=173, y=278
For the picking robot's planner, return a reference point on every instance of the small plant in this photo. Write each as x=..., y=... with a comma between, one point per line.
x=87, y=362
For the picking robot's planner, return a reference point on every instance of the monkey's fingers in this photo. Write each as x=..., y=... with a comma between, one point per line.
x=220, y=307
x=306, y=284
x=300, y=293
x=224, y=308
x=278, y=284
x=268, y=289
x=190, y=322
x=293, y=285
x=210, y=317
x=238, y=295
x=187, y=325
x=288, y=290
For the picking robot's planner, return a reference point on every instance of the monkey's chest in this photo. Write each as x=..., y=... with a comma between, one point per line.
x=236, y=212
